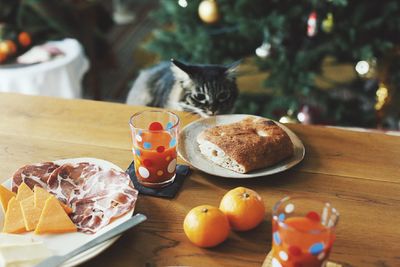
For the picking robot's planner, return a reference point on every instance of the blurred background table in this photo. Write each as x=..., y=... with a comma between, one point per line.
x=60, y=76
x=358, y=172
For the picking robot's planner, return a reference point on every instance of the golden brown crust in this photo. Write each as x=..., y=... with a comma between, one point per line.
x=253, y=142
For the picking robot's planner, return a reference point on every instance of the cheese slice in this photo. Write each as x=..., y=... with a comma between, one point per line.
x=14, y=221
x=24, y=255
x=24, y=191
x=30, y=213
x=12, y=239
x=5, y=196
x=40, y=197
x=54, y=219
x=29, y=263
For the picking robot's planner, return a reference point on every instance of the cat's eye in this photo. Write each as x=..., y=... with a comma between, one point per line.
x=223, y=96
x=199, y=97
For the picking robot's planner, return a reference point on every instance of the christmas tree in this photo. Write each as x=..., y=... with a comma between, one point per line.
x=292, y=41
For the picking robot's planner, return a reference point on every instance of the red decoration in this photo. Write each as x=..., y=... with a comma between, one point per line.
x=312, y=215
x=312, y=24
x=160, y=149
x=148, y=163
x=297, y=264
x=156, y=126
x=294, y=251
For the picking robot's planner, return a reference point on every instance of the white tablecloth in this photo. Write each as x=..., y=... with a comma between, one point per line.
x=60, y=77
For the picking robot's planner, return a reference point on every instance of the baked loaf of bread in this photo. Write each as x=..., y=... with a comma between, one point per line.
x=247, y=145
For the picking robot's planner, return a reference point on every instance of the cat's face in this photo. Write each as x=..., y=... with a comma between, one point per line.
x=206, y=89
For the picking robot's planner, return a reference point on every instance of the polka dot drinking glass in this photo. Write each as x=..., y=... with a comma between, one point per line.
x=154, y=138
x=303, y=232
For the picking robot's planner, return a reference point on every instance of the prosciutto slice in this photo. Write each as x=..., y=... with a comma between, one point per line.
x=66, y=182
x=105, y=195
x=96, y=196
x=35, y=174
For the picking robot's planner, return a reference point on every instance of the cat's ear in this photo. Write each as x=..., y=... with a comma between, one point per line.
x=231, y=69
x=180, y=70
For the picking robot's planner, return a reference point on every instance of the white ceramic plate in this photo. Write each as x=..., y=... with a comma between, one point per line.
x=63, y=243
x=189, y=151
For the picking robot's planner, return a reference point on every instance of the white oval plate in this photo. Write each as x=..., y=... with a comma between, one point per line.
x=61, y=244
x=189, y=150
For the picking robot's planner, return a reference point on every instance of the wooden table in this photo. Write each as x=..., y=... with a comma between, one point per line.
x=358, y=172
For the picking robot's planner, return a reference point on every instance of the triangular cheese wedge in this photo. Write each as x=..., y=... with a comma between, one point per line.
x=54, y=219
x=14, y=221
x=5, y=196
x=24, y=192
x=30, y=213
x=40, y=197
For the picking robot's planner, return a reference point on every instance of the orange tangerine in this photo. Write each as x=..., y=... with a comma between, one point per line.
x=244, y=208
x=206, y=226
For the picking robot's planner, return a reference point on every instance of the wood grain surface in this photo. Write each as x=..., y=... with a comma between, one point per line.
x=359, y=173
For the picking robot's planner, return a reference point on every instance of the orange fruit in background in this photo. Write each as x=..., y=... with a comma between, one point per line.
x=24, y=39
x=8, y=47
x=244, y=208
x=3, y=57
x=12, y=47
x=206, y=226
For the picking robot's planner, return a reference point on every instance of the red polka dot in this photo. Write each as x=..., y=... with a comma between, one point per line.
x=312, y=215
x=294, y=251
x=160, y=149
x=147, y=162
x=155, y=126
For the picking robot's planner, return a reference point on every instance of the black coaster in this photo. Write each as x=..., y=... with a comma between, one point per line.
x=182, y=171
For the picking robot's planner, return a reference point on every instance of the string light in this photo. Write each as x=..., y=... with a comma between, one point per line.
x=285, y=119
x=183, y=3
x=301, y=116
x=362, y=67
x=264, y=50
x=288, y=118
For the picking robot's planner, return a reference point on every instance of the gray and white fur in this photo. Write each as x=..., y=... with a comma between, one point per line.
x=203, y=89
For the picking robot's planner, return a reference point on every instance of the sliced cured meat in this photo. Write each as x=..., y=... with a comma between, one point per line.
x=67, y=180
x=34, y=174
x=95, y=195
x=106, y=195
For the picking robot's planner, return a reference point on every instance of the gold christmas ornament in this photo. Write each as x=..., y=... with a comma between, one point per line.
x=381, y=96
x=327, y=23
x=208, y=11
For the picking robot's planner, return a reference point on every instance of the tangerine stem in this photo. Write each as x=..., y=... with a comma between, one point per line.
x=205, y=210
x=246, y=195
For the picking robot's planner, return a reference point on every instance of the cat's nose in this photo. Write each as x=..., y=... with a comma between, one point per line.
x=213, y=107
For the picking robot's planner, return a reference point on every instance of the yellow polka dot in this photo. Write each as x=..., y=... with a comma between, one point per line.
x=168, y=158
x=160, y=172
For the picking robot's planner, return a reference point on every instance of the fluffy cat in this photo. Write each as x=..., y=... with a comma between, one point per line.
x=203, y=89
